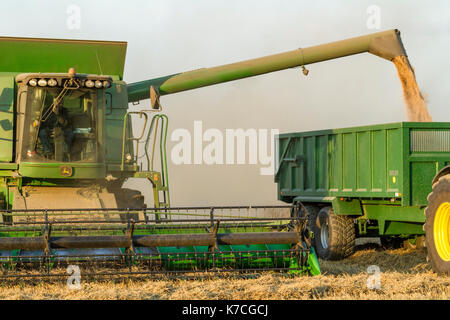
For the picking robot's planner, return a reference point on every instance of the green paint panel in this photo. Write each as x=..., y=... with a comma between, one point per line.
x=335, y=170
x=394, y=212
x=6, y=117
x=301, y=169
x=310, y=154
x=8, y=166
x=349, y=166
x=403, y=228
x=346, y=207
x=54, y=55
x=395, y=219
x=420, y=181
x=53, y=170
x=285, y=176
x=378, y=167
x=116, y=108
x=365, y=162
x=394, y=159
x=321, y=163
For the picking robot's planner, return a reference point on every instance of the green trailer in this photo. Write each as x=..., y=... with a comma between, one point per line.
x=370, y=181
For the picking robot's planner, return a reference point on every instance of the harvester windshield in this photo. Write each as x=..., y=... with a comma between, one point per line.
x=60, y=128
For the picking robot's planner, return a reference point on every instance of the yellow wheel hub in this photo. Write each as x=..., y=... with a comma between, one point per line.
x=441, y=231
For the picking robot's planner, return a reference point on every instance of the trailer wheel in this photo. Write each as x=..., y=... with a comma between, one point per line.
x=334, y=235
x=391, y=242
x=437, y=225
x=313, y=213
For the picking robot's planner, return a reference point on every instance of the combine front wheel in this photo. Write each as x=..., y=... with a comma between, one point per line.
x=437, y=226
x=334, y=235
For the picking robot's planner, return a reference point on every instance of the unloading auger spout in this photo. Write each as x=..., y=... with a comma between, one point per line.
x=386, y=44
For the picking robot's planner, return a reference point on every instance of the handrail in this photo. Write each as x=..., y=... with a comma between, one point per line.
x=124, y=136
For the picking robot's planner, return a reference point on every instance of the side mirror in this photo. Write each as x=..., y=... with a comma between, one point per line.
x=154, y=98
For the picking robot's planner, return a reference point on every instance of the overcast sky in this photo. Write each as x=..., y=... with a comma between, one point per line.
x=171, y=36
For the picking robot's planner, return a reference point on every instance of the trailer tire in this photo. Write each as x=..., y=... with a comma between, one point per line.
x=334, y=235
x=313, y=212
x=312, y=215
x=391, y=242
x=437, y=226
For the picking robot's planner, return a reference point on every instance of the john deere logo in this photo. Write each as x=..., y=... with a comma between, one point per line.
x=65, y=171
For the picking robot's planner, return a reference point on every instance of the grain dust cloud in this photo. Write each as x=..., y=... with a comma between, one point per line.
x=416, y=108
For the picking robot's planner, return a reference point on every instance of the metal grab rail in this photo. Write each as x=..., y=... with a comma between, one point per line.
x=158, y=126
x=124, y=136
x=153, y=130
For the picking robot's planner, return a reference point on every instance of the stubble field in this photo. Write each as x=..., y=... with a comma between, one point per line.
x=404, y=274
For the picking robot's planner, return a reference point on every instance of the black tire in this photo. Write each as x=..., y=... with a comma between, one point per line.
x=312, y=211
x=334, y=236
x=439, y=196
x=391, y=242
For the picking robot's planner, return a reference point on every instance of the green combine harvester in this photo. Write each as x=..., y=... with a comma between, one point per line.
x=67, y=147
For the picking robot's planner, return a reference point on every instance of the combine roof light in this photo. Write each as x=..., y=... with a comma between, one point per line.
x=98, y=84
x=42, y=82
x=71, y=72
x=32, y=82
x=89, y=83
x=52, y=82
